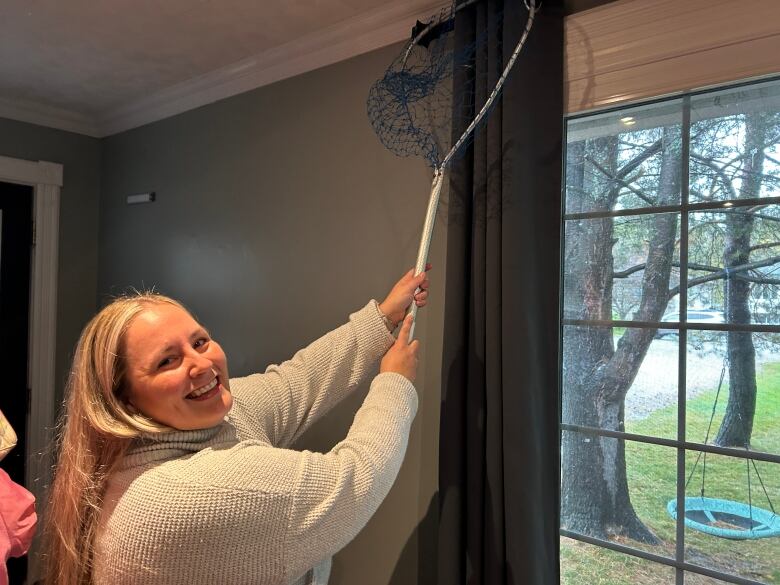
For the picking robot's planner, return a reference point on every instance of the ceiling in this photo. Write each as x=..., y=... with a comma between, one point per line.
x=98, y=67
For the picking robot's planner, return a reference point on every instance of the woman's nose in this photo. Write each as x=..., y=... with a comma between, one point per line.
x=200, y=364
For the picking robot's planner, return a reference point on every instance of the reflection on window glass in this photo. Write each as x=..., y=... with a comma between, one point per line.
x=624, y=160
x=735, y=144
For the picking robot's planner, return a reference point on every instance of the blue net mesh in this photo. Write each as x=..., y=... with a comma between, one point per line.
x=413, y=108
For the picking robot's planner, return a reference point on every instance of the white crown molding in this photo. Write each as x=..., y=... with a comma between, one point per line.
x=366, y=32
x=48, y=116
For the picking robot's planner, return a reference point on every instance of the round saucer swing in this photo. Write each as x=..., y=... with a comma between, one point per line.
x=727, y=518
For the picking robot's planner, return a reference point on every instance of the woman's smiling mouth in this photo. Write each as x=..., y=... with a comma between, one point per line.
x=205, y=392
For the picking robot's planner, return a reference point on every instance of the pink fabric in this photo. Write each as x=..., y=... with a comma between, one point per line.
x=17, y=521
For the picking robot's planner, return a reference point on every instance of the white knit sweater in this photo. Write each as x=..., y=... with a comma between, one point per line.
x=232, y=504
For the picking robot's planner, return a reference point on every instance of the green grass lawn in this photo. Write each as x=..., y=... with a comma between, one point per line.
x=651, y=473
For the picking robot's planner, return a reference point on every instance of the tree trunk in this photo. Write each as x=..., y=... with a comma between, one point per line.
x=594, y=491
x=737, y=426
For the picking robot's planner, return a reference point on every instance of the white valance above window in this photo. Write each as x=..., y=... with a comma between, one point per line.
x=636, y=49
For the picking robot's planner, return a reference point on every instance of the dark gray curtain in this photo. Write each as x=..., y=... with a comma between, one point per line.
x=498, y=496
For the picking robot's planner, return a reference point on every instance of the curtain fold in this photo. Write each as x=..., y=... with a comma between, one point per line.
x=498, y=464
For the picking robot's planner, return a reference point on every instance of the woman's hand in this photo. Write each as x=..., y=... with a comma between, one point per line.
x=401, y=358
x=401, y=295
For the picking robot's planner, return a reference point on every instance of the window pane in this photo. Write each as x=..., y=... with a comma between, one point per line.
x=624, y=160
x=748, y=398
x=626, y=502
x=610, y=264
x=624, y=391
x=627, y=268
x=747, y=240
x=583, y=563
x=735, y=144
x=730, y=484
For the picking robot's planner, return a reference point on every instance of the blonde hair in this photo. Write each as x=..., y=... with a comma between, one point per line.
x=95, y=431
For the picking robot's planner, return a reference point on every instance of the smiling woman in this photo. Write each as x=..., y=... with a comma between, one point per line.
x=170, y=472
x=176, y=373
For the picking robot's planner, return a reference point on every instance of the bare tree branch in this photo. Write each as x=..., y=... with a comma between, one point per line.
x=639, y=267
x=738, y=211
x=774, y=160
x=629, y=167
x=634, y=163
x=771, y=142
x=719, y=171
x=721, y=274
x=758, y=279
x=764, y=246
x=629, y=271
x=626, y=184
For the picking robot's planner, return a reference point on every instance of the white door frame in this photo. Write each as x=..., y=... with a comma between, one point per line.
x=46, y=180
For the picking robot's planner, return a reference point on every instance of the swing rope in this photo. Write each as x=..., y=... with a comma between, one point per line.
x=709, y=429
x=763, y=487
x=727, y=271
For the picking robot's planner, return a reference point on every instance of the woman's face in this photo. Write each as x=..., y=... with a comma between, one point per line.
x=176, y=374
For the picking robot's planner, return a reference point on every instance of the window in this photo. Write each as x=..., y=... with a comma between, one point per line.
x=670, y=421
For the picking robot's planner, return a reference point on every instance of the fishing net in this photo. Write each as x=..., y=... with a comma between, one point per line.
x=414, y=107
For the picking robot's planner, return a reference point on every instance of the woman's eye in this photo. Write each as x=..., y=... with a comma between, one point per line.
x=202, y=342
x=164, y=362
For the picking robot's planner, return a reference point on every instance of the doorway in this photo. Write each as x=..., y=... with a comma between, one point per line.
x=44, y=179
x=16, y=217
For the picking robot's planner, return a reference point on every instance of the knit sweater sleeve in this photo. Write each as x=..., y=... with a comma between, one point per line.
x=252, y=513
x=337, y=492
x=288, y=398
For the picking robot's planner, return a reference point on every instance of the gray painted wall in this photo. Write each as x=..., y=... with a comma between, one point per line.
x=78, y=257
x=278, y=213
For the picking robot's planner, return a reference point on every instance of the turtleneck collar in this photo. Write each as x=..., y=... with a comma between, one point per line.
x=152, y=447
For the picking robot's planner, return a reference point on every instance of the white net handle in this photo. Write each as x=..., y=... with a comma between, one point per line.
x=438, y=176
x=425, y=240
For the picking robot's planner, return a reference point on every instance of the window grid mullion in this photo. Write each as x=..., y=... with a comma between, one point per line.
x=687, y=445
x=725, y=327
x=706, y=206
x=682, y=339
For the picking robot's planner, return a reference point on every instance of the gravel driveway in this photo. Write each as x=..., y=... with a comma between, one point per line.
x=655, y=386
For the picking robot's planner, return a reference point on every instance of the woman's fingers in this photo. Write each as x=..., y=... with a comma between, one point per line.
x=402, y=356
x=406, y=328
x=410, y=289
x=423, y=274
